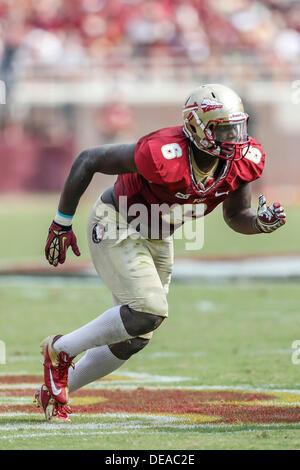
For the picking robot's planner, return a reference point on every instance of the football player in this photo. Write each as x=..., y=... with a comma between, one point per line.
x=209, y=160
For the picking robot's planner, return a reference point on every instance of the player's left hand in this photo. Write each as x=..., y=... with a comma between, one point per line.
x=58, y=241
x=269, y=218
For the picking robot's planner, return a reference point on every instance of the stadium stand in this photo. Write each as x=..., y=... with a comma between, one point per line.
x=66, y=34
x=83, y=72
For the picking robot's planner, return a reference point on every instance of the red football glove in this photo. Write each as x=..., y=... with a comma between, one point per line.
x=269, y=218
x=58, y=241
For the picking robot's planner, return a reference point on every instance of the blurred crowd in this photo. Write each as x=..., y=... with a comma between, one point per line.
x=72, y=33
x=35, y=152
x=38, y=147
x=139, y=38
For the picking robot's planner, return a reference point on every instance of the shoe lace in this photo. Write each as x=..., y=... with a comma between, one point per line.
x=62, y=411
x=64, y=365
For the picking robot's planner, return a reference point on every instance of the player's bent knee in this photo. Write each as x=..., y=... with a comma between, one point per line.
x=139, y=323
x=126, y=349
x=155, y=303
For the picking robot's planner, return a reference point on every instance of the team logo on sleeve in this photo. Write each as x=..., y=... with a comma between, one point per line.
x=254, y=155
x=98, y=233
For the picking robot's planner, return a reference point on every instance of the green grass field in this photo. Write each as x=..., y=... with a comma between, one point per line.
x=218, y=374
x=25, y=223
x=231, y=335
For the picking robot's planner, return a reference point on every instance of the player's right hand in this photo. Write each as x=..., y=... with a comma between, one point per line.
x=59, y=239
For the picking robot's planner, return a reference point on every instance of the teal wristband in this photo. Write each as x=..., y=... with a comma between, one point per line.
x=63, y=219
x=64, y=215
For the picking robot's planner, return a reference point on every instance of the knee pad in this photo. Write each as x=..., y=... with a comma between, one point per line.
x=126, y=349
x=136, y=344
x=139, y=323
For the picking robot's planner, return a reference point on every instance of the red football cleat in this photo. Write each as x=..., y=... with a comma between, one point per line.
x=52, y=409
x=56, y=368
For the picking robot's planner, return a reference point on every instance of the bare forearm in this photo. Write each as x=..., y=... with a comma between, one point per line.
x=75, y=185
x=243, y=222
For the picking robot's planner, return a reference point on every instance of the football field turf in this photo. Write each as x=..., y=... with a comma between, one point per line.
x=218, y=374
x=25, y=222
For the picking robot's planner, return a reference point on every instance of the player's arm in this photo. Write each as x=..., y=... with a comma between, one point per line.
x=237, y=211
x=239, y=215
x=108, y=159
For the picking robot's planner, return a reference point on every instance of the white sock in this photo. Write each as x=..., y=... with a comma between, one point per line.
x=108, y=328
x=96, y=363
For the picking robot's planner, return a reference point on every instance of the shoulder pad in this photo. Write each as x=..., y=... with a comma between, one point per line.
x=161, y=155
x=252, y=165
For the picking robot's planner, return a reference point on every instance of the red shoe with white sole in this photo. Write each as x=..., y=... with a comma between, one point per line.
x=52, y=409
x=56, y=367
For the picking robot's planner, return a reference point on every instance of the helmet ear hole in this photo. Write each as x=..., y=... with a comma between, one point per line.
x=193, y=128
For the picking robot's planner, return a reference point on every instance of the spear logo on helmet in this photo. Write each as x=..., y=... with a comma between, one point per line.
x=210, y=105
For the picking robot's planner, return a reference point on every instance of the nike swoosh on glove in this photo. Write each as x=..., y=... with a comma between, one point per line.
x=58, y=241
x=269, y=218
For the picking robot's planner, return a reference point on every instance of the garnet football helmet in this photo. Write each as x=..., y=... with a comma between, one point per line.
x=215, y=121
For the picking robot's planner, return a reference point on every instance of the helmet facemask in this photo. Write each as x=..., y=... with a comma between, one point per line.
x=229, y=137
x=223, y=138
x=215, y=121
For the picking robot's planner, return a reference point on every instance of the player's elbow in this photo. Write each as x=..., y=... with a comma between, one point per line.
x=229, y=218
x=98, y=159
x=84, y=164
x=241, y=222
x=84, y=159
x=231, y=223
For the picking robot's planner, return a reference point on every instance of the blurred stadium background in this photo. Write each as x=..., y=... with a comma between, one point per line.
x=80, y=73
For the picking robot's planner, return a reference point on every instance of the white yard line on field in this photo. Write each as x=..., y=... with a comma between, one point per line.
x=85, y=430
x=122, y=423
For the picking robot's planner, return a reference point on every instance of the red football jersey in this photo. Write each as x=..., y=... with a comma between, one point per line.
x=166, y=177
